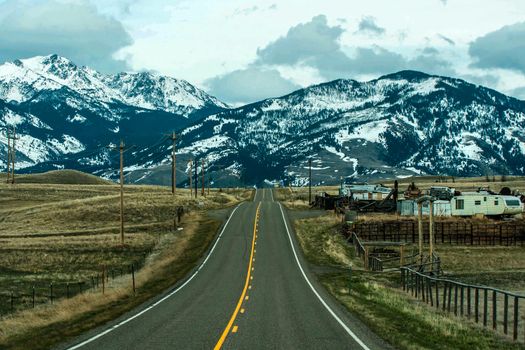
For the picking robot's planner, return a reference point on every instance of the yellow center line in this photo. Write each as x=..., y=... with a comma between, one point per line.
x=246, y=284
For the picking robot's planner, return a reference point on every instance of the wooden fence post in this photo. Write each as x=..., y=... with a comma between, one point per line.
x=476, y=305
x=506, y=314
x=133, y=276
x=485, y=307
x=516, y=318
x=494, y=311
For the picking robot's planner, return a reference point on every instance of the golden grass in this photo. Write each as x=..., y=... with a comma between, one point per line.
x=395, y=316
x=66, y=233
x=297, y=197
x=58, y=177
x=175, y=252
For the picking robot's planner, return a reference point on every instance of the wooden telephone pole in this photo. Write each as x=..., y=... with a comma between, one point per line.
x=310, y=181
x=173, y=165
x=203, y=171
x=209, y=180
x=121, y=149
x=196, y=179
x=8, y=135
x=190, y=175
x=174, y=175
x=13, y=155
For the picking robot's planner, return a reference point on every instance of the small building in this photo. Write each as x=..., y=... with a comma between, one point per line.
x=409, y=207
x=364, y=191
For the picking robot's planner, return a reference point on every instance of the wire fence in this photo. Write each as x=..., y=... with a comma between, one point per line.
x=500, y=310
x=41, y=293
x=48, y=293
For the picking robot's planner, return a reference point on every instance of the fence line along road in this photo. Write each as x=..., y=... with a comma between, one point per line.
x=498, y=309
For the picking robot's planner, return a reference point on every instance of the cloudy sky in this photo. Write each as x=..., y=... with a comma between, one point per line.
x=245, y=50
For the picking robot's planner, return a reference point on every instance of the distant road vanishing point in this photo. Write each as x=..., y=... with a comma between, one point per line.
x=252, y=291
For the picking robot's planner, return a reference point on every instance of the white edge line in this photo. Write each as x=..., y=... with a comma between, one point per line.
x=161, y=300
x=352, y=334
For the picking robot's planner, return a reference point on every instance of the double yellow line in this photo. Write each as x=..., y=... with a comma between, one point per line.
x=246, y=285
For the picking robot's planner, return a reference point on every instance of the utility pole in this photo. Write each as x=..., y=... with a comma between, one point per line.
x=310, y=182
x=209, y=180
x=173, y=165
x=203, y=171
x=13, y=155
x=196, y=179
x=190, y=175
x=8, y=135
x=121, y=149
x=174, y=175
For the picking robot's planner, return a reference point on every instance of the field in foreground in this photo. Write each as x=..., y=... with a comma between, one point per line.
x=64, y=234
x=376, y=298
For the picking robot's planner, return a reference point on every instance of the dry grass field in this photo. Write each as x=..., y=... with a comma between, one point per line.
x=376, y=297
x=297, y=197
x=377, y=300
x=57, y=233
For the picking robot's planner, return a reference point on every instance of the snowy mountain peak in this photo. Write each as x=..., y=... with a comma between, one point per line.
x=51, y=64
x=400, y=124
x=22, y=80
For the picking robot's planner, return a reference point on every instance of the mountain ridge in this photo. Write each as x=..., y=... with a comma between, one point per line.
x=53, y=102
x=397, y=125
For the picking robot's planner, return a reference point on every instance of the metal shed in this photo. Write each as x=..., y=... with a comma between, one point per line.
x=408, y=207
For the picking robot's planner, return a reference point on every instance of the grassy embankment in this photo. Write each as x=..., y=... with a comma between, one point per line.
x=65, y=233
x=404, y=322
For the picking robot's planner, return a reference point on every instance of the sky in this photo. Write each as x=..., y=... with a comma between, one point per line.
x=245, y=50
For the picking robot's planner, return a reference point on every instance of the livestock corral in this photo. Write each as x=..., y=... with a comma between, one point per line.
x=456, y=244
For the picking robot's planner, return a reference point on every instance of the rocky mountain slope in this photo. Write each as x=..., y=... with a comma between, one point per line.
x=63, y=111
x=398, y=125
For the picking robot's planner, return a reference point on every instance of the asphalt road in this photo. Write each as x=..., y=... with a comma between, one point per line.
x=254, y=291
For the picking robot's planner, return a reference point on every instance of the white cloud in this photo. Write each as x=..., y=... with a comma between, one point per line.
x=72, y=29
x=250, y=85
x=198, y=40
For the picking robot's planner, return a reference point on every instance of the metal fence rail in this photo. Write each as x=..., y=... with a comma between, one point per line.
x=500, y=310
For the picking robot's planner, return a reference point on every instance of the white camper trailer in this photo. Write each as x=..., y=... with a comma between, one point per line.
x=470, y=204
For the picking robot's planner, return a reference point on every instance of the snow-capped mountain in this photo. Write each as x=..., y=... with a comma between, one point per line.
x=398, y=125
x=63, y=111
x=395, y=126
